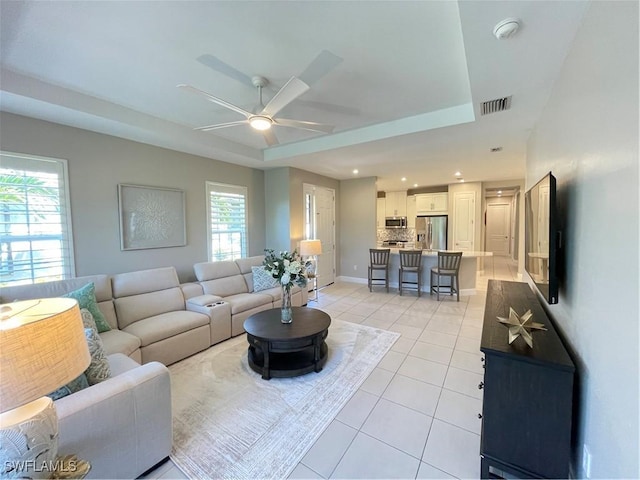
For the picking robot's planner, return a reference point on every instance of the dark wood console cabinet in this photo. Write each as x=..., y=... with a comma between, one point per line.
x=528, y=393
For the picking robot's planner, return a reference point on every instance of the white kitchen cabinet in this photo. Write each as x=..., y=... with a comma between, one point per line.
x=380, y=212
x=411, y=211
x=395, y=204
x=432, y=203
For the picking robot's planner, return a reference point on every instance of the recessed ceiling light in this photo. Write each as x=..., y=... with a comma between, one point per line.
x=461, y=180
x=457, y=174
x=415, y=185
x=355, y=171
x=403, y=179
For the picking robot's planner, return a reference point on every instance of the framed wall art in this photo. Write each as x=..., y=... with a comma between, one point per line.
x=151, y=217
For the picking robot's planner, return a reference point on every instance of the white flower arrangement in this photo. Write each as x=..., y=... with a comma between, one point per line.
x=287, y=267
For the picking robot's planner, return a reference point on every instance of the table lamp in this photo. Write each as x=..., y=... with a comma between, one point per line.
x=310, y=249
x=42, y=347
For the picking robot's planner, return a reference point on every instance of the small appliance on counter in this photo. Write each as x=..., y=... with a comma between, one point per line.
x=395, y=222
x=393, y=244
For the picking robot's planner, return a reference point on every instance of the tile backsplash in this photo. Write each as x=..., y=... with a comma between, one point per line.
x=400, y=234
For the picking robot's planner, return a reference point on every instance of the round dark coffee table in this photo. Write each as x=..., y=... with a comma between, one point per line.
x=283, y=350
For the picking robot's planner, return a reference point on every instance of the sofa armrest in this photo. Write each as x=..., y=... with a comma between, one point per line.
x=219, y=313
x=196, y=304
x=122, y=426
x=191, y=289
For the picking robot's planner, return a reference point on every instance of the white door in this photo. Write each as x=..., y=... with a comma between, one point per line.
x=322, y=227
x=498, y=228
x=463, y=221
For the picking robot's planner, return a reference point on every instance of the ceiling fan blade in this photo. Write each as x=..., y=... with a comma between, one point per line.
x=221, y=125
x=313, y=126
x=319, y=67
x=213, y=99
x=270, y=137
x=287, y=94
x=224, y=68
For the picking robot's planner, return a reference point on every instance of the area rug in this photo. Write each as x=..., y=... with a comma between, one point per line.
x=229, y=423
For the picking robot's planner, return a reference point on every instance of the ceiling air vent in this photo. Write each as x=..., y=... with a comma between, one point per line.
x=497, y=105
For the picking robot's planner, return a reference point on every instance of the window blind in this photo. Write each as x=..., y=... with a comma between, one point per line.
x=227, y=221
x=35, y=223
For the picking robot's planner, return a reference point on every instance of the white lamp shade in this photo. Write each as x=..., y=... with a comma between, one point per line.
x=42, y=347
x=310, y=247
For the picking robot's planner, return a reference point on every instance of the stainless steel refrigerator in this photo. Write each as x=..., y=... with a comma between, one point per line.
x=431, y=232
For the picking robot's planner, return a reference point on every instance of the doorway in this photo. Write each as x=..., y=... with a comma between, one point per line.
x=320, y=224
x=498, y=230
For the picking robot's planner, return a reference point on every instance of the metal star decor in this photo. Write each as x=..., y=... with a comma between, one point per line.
x=518, y=326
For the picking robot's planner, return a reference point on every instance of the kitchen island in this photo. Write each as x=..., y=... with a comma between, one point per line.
x=467, y=274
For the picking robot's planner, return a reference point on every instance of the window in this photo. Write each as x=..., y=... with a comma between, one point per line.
x=309, y=192
x=308, y=216
x=35, y=229
x=227, y=222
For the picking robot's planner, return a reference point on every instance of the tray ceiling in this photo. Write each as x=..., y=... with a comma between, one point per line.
x=404, y=95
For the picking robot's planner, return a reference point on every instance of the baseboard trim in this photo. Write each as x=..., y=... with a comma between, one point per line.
x=359, y=280
x=364, y=281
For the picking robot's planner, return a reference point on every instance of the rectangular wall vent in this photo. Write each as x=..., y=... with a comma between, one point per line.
x=497, y=105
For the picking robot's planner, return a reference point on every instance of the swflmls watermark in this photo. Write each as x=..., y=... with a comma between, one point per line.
x=58, y=466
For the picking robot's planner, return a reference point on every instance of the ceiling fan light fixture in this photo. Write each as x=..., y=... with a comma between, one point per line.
x=260, y=122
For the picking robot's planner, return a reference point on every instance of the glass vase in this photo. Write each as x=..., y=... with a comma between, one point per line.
x=286, y=314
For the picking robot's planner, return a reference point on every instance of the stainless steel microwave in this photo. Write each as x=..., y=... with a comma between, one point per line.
x=395, y=222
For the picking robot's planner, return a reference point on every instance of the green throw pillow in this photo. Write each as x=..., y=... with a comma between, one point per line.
x=86, y=297
x=71, y=387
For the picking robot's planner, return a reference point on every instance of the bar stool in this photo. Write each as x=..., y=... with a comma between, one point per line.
x=410, y=263
x=378, y=261
x=448, y=266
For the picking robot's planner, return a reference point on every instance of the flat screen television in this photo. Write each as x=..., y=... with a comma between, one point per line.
x=542, y=237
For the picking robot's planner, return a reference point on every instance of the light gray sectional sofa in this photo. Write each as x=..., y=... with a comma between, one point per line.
x=146, y=311
x=115, y=340
x=150, y=305
x=231, y=283
x=122, y=425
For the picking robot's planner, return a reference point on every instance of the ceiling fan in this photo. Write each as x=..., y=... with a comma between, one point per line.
x=264, y=116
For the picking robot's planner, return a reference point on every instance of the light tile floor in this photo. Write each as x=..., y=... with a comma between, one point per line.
x=416, y=416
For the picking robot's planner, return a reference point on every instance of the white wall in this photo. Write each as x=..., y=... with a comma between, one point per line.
x=277, y=209
x=98, y=163
x=588, y=137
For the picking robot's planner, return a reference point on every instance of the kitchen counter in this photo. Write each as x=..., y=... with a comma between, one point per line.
x=434, y=253
x=467, y=274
